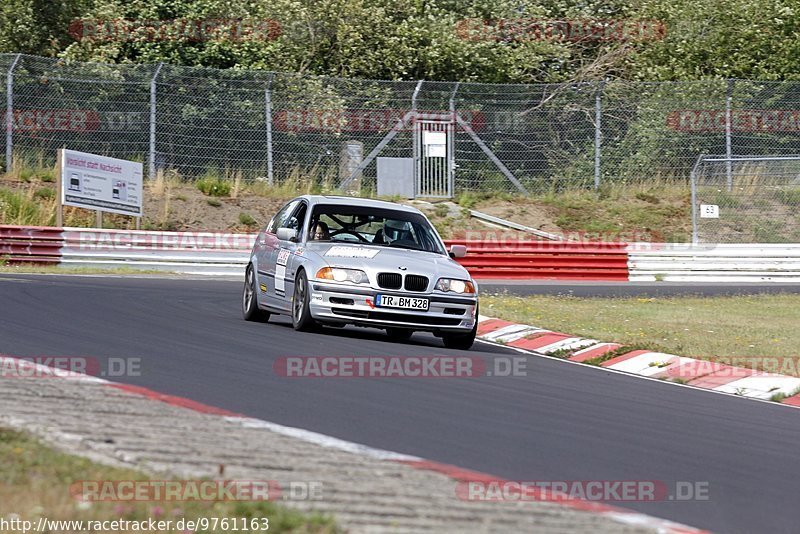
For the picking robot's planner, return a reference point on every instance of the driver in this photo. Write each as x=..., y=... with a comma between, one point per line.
x=395, y=231
x=321, y=232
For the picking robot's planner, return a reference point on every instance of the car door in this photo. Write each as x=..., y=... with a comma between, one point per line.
x=286, y=257
x=268, y=247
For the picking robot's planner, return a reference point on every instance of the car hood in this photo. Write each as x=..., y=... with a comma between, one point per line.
x=372, y=258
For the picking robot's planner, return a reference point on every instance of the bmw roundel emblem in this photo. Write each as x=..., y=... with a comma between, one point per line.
x=403, y=268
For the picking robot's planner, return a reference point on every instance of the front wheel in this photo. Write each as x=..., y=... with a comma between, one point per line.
x=301, y=311
x=250, y=309
x=461, y=341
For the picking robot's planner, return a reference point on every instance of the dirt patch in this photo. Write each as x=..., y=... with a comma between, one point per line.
x=184, y=207
x=657, y=214
x=523, y=212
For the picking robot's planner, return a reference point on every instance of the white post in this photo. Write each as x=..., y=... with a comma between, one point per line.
x=151, y=167
x=10, y=113
x=728, y=150
x=416, y=151
x=598, y=134
x=268, y=119
x=60, y=187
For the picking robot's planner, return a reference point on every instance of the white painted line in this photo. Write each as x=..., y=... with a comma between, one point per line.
x=592, y=347
x=507, y=330
x=649, y=363
x=321, y=439
x=22, y=368
x=508, y=338
x=761, y=386
x=566, y=343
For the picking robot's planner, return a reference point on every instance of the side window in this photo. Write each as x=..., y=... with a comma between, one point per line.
x=298, y=218
x=282, y=217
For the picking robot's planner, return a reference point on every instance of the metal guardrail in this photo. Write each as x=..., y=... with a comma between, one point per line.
x=226, y=254
x=524, y=260
x=714, y=263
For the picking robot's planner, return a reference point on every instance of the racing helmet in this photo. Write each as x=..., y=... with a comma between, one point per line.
x=394, y=230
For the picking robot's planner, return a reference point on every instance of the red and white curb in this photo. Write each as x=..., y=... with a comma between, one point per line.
x=458, y=474
x=698, y=373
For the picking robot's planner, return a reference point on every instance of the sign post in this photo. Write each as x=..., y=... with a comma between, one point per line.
x=99, y=183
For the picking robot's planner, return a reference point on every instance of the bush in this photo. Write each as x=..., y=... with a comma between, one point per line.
x=45, y=193
x=213, y=186
x=246, y=219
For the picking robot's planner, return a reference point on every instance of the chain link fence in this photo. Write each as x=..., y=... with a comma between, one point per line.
x=279, y=127
x=746, y=199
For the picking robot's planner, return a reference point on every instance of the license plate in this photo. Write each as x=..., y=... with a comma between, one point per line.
x=409, y=303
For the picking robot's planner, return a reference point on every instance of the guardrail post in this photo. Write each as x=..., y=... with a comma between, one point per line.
x=268, y=121
x=598, y=133
x=728, y=150
x=151, y=166
x=10, y=113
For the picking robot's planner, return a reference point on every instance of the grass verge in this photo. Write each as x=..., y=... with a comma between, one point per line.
x=35, y=482
x=756, y=329
x=53, y=269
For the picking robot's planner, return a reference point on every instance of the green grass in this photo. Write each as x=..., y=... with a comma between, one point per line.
x=247, y=219
x=663, y=212
x=54, y=269
x=213, y=186
x=27, y=207
x=470, y=200
x=711, y=328
x=35, y=480
x=45, y=193
x=790, y=197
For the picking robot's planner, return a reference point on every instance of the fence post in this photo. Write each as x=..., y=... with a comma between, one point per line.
x=151, y=166
x=693, y=181
x=268, y=120
x=598, y=133
x=728, y=150
x=416, y=149
x=10, y=113
x=451, y=143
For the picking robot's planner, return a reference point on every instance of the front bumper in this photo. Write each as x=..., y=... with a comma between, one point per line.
x=340, y=303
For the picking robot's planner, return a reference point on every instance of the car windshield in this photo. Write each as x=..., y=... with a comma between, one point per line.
x=373, y=226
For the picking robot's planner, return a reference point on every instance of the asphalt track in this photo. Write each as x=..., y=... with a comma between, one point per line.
x=559, y=422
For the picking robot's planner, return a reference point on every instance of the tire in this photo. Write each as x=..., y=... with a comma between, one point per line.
x=250, y=309
x=461, y=341
x=399, y=334
x=301, y=312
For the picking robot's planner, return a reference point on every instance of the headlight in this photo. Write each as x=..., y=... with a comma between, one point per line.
x=343, y=275
x=456, y=286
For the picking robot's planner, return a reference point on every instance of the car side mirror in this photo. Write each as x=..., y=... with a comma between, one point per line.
x=287, y=234
x=458, y=251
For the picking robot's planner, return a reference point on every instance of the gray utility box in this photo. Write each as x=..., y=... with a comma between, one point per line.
x=396, y=177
